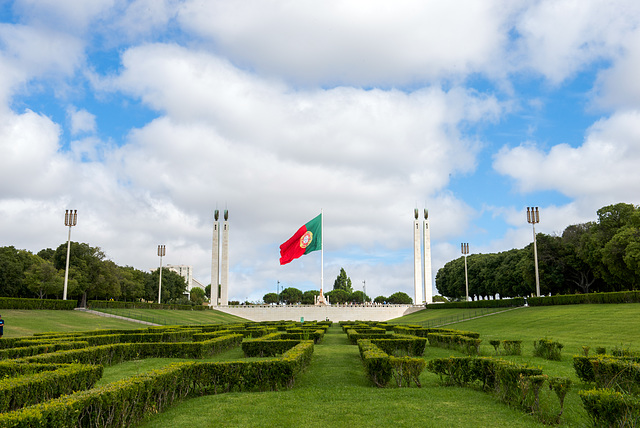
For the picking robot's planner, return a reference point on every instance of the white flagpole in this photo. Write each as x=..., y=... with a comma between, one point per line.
x=322, y=253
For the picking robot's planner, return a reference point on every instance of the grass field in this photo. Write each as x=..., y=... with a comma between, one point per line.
x=175, y=317
x=334, y=390
x=25, y=323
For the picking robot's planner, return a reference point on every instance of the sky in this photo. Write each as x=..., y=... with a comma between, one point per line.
x=148, y=115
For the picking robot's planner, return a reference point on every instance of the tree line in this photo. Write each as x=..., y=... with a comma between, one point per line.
x=91, y=276
x=341, y=293
x=598, y=256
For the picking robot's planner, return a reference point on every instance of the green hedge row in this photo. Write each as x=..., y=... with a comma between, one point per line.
x=382, y=367
x=126, y=402
x=514, y=384
x=609, y=408
x=108, y=304
x=510, y=347
x=267, y=348
x=416, y=330
x=547, y=349
x=607, y=372
x=315, y=335
x=354, y=336
x=401, y=346
x=577, y=299
x=120, y=352
x=499, y=303
x=464, y=344
x=11, y=368
x=43, y=348
x=18, y=303
x=20, y=391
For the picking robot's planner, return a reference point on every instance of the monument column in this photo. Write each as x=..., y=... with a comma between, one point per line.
x=215, y=260
x=428, y=286
x=224, y=262
x=417, y=261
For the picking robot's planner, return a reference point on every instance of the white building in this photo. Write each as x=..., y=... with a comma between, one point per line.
x=187, y=273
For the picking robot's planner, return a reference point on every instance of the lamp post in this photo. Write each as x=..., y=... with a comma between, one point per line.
x=533, y=217
x=162, y=251
x=70, y=219
x=464, y=247
x=364, y=287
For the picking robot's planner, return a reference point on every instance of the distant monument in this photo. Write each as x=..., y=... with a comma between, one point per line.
x=220, y=261
x=417, y=260
x=421, y=284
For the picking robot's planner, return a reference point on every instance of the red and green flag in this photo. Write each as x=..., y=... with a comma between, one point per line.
x=307, y=239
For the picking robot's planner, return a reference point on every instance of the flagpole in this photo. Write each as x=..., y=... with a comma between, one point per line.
x=322, y=254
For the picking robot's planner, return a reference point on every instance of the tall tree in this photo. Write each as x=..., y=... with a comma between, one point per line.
x=43, y=279
x=343, y=282
x=291, y=295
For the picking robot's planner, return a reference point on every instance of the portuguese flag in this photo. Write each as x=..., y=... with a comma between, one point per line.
x=307, y=239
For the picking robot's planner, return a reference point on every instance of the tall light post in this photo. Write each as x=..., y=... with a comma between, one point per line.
x=464, y=247
x=70, y=219
x=533, y=217
x=162, y=251
x=364, y=287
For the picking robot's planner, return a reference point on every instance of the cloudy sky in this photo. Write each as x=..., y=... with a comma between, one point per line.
x=147, y=115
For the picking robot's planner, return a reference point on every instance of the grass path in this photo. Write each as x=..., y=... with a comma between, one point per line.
x=334, y=392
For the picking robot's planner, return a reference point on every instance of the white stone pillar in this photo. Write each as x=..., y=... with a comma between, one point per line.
x=428, y=280
x=417, y=261
x=224, y=262
x=215, y=261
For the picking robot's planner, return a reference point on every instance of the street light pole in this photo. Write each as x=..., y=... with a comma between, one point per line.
x=533, y=217
x=70, y=219
x=364, y=287
x=162, y=251
x=464, y=247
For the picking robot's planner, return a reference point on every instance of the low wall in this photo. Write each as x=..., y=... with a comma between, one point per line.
x=319, y=313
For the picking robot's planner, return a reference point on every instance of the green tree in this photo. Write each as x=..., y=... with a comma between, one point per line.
x=291, y=295
x=43, y=279
x=173, y=286
x=343, y=282
x=197, y=296
x=338, y=296
x=270, y=298
x=359, y=297
x=400, y=298
x=380, y=299
x=309, y=297
x=13, y=265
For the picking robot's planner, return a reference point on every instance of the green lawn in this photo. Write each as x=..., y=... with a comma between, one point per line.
x=176, y=317
x=26, y=323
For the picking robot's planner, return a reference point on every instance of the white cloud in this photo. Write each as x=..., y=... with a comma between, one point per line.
x=81, y=121
x=361, y=43
x=560, y=38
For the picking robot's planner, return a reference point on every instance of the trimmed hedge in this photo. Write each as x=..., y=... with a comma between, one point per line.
x=354, y=336
x=610, y=408
x=19, y=303
x=106, y=304
x=119, y=352
x=43, y=348
x=423, y=332
x=590, y=298
x=126, y=402
x=499, y=303
x=464, y=344
x=412, y=346
x=382, y=367
x=607, y=372
x=267, y=348
x=514, y=384
x=17, y=392
x=547, y=349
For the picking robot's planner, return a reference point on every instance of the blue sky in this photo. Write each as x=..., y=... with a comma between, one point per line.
x=147, y=115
